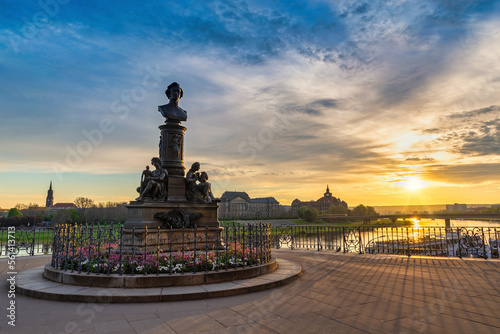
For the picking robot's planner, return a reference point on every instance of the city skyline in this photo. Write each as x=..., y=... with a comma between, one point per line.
x=388, y=103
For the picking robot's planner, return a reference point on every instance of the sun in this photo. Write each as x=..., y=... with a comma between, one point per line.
x=413, y=183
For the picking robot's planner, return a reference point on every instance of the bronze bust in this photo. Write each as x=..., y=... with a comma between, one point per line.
x=172, y=111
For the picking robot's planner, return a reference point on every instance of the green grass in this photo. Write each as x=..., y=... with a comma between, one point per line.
x=225, y=223
x=47, y=236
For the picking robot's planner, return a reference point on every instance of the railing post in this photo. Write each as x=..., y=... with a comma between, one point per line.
x=343, y=238
x=32, y=252
x=484, y=244
x=408, y=243
x=317, y=237
x=360, y=241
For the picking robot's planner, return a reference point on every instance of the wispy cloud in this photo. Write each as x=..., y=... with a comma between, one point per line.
x=278, y=94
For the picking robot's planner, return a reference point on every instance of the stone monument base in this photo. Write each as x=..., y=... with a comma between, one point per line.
x=143, y=233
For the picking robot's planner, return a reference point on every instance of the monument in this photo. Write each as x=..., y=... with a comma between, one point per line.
x=171, y=238
x=171, y=204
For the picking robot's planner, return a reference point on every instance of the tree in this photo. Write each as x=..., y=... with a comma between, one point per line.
x=66, y=216
x=370, y=211
x=14, y=212
x=338, y=209
x=21, y=206
x=301, y=211
x=360, y=210
x=310, y=215
x=83, y=203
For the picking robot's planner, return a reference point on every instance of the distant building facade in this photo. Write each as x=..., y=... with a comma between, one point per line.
x=456, y=207
x=238, y=204
x=322, y=204
x=49, y=202
x=4, y=212
x=61, y=206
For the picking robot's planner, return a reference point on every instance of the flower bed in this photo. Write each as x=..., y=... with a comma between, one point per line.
x=108, y=259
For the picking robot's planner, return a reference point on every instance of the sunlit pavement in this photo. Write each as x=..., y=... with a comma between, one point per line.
x=337, y=293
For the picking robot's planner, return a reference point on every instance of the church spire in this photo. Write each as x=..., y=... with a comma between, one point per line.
x=49, y=202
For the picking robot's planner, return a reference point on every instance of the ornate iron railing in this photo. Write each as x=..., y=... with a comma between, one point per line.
x=423, y=241
x=118, y=250
x=26, y=240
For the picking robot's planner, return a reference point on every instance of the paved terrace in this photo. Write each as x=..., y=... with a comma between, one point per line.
x=337, y=293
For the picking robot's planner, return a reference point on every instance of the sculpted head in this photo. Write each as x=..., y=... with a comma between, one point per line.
x=155, y=161
x=174, y=91
x=195, y=166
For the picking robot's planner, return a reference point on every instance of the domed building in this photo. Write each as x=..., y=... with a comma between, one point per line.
x=322, y=204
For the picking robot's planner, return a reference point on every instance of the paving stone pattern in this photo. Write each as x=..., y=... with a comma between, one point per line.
x=337, y=293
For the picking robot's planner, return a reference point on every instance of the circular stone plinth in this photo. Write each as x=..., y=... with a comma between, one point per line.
x=32, y=283
x=157, y=281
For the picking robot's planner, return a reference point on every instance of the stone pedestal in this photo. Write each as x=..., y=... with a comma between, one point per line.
x=142, y=232
x=171, y=156
x=176, y=189
x=172, y=148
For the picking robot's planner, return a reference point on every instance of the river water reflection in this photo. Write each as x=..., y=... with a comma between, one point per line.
x=456, y=223
x=425, y=237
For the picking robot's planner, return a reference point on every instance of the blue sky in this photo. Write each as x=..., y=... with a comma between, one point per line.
x=283, y=97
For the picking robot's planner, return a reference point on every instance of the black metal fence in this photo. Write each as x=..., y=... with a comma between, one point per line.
x=26, y=240
x=424, y=241
x=114, y=249
x=65, y=241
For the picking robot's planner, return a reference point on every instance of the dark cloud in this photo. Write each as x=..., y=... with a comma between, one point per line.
x=355, y=9
x=432, y=131
x=419, y=160
x=315, y=108
x=472, y=133
x=463, y=174
x=248, y=33
x=326, y=103
x=474, y=113
x=483, y=142
x=441, y=26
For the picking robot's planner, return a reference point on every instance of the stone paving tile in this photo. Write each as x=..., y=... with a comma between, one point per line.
x=375, y=294
x=166, y=316
x=252, y=328
x=448, y=324
x=372, y=325
x=23, y=328
x=285, y=326
x=410, y=325
x=217, y=331
x=284, y=309
x=71, y=325
x=378, y=310
x=99, y=317
x=254, y=313
x=139, y=316
x=320, y=324
x=228, y=317
x=193, y=324
x=151, y=326
x=114, y=326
